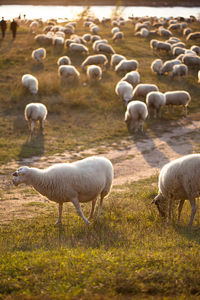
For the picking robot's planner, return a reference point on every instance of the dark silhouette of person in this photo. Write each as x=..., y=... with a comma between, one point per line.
x=13, y=28
x=3, y=26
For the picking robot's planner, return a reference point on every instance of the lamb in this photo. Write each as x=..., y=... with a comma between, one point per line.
x=179, y=180
x=124, y=90
x=132, y=77
x=180, y=70
x=168, y=65
x=39, y=54
x=80, y=181
x=156, y=66
x=155, y=101
x=69, y=73
x=142, y=89
x=105, y=48
x=118, y=36
x=78, y=48
x=94, y=72
x=35, y=112
x=30, y=82
x=98, y=59
x=135, y=115
x=178, y=98
x=64, y=60
x=115, y=59
x=127, y=65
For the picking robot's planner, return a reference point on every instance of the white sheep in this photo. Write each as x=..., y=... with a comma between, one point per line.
x=95, y=44
x=179, y=180
x=124, y=90
x=29, y=81
x=87, y=37
x=98, y=59
x=34, y=26
x=191, y=60
x=64, y=60
x=142, y=89
x=178, y=98
x=196, y=49
x=35, y=112
x=78, y=48
x=94, y=73
x=156, y=66
x=77, y=182
x=114, y=30
x=118, y=36
x=168, y=65
x=193, y=36
x=126, y=65
x=39, y=54
x=132, y=77
x=69, y=73
x=94, y=29
x=135, y=115
x=58, y=41
x=163, y=46
x=180, y=70
x=43, y=39
x=105, y=48
x=155, y=101
x=115, y=59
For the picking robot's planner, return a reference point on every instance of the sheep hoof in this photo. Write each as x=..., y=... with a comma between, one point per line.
x=87, y=222
x=58, y=223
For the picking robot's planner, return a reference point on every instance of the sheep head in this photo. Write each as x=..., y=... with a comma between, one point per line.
x=19, y=176
x=160, y=203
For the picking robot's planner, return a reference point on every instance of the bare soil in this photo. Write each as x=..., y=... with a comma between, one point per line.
x=135, y=158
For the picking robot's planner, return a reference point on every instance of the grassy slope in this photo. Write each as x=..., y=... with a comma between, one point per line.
x=129, y=252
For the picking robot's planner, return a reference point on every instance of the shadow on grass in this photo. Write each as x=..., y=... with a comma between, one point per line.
x=191, y=234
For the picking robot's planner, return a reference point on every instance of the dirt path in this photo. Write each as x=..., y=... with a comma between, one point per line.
x=133, y=160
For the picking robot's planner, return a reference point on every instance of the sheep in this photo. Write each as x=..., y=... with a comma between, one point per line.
x=98, y=59
x=164, y=32
x=196, y=49
x=43, y=39
x=29, y=81
x=124, y=90
x=80, y=181
x=187, y=31
x=142, y=89
x=193, y=36
x=94, y=29
x=95, y=38
x=104, y=48
x=155, y=101
x=64, y=60
x=39, y=54
x=118, y=36
x=163, y=47
x=135, y=115
x=178, y=98
x=95, y=44
x=78, y=48
x=143, y=32
x=126, y=65
x=179, y=180
x=34, y=26
x=69, y=73
x=115, y=59
x=156, y=66
x=87, y=37
x=94, y=72
x=153, y=44
x=132, y=77
x=35, y=112
x=191, y=60
x=168, y=65
x=58, y=41
x=180, y=70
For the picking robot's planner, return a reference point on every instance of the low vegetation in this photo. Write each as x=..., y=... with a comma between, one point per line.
x=130, y=252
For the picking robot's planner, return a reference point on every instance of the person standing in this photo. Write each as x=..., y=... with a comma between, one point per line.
x=13, y=28
x=3, y=26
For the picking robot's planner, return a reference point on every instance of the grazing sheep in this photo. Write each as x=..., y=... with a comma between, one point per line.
x=114, y=30
x=34, y=26
x=155, y=101
x=124, y=90
x=94, y=73
x=87, y=37
x=43, y=39
x=153, y=44
x=164, y=32
x=180, y=70
x=179, y=180
x=80, y=181
x=163, y=46
x=69, y=73
x=168, y=65
x=118, y=36
x=177, y=51
x=35, y=112
x=187, y=31
x=64, y=60
x=156, y=66
x=115, y=59
x=30, y=82
x=135, y=115
x=126, y=65
x=132, y=77
x=178, y=98
x=191, y=60
x=58, y=41
x=193, y=36
x=98, y=59
x=105, y=48
x=95, y=44
x=78, y=48
x=39, y=54
x=142, y=89
x=95, y=38
x=196, y=49
x=143, y=32
x=94, y=29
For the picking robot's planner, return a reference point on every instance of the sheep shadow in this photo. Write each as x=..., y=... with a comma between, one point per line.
x=34, y=146
x=37, y=67
x=191, y=234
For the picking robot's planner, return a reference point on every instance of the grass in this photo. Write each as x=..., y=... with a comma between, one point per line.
x=130, y=253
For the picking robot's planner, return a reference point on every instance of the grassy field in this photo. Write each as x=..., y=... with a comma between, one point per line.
x=130, y=253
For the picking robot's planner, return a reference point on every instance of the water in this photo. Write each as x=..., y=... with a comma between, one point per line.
x=70, y=12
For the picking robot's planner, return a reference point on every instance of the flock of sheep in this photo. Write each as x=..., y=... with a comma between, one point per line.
x=84, y=180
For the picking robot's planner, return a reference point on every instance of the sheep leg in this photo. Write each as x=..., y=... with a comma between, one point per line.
x=169, y=210
x=92, y=209
x=180, y=209
x=32, y=126
x=42, y=124
x=193, y=211
x=100, y=206
x=185, y=110
x=78, y=209
x=59, y=221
